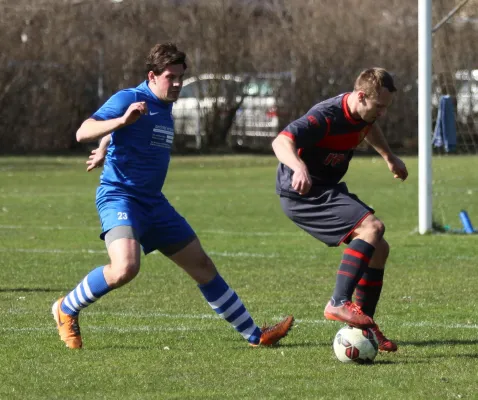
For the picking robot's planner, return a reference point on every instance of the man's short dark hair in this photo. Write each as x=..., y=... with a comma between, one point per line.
x=162, y=55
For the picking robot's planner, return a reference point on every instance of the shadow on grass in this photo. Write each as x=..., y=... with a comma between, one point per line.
x=469, y=355
x=383, y=362
x=291, y=345
x=32, y=290
x=444, y=342
x=428, y=358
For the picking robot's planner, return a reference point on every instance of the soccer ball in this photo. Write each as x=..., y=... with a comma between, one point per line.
x=355, y=345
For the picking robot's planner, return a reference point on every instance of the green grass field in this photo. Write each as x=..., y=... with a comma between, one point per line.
x=156, y=338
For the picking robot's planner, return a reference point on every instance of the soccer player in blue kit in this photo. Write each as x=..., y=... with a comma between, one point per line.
x=314, y=153
x=136, y=130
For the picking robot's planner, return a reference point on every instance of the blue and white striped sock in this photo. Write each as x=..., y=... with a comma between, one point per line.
x=228, y=306
x=87, y=292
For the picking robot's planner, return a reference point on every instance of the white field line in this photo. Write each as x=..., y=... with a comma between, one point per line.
x=159, y=315
x=277, y=233
x=170, y=195
x=424, y=324
x=51, y=251
x=227, y=254
x=31, y=195
x=297, y=321
x=135, y=329
x=47, y=228
x=91, y=251
x=209, y=231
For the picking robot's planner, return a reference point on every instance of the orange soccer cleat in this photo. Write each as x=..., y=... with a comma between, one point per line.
x=384, y=344
x=67, y=325
x=272, y=334
x=350, y=313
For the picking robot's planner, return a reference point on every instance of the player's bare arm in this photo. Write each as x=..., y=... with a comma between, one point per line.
x=286, y=152
x=97, y=156
x=377, y=140
x=91, y=129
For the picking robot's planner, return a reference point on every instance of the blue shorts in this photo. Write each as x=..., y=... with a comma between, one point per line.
x=158, y=226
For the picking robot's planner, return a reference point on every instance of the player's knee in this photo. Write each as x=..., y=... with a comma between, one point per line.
x=205, y=263
x=375, y=228
x=124, y=272
x=204, y=269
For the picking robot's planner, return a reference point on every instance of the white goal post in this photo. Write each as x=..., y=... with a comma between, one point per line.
x=424, y=116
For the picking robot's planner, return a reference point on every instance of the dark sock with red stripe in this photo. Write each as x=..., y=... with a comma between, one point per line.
x=355, y=261
x=368, y=290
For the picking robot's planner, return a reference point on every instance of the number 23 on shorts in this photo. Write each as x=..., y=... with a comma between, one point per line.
x=122, y=215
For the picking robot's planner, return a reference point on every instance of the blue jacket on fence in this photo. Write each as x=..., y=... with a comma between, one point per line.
x=445, y=128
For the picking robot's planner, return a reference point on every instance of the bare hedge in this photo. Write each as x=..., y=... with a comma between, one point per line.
x=60, y=59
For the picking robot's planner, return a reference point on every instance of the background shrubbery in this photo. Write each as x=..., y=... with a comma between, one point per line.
x=60, y=59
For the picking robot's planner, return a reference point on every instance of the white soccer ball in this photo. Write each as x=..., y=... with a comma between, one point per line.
x=355, y=345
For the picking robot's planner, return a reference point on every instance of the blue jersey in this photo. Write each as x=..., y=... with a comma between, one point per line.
x=138, y=156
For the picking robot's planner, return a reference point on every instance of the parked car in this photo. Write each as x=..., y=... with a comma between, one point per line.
x=467, y=96
x=234, y=110
x=463, y=86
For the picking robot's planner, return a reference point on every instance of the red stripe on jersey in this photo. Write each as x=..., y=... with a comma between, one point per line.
x=346, y=141
x=363, y=282
x=288, y=134
x=357, y=254
x=345, y=107
x=313, y=121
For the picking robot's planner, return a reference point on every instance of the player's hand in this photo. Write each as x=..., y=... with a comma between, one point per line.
x=134, y=111
x=301, y=181
x=397, y=167
x=96, y=159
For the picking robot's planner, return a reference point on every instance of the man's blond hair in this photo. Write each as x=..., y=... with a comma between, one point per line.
x=371, y=80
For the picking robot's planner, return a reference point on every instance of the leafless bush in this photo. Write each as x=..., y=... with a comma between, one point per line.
x=60, y=59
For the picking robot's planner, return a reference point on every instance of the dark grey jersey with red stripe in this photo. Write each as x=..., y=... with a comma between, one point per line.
x=325, y=139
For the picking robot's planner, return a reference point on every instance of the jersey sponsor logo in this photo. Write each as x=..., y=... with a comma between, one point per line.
x=313, y=121
x=334, y=158
x=162, y=136
x=153, y=113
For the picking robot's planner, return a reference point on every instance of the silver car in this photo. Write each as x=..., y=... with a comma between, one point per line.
x=464, y=87
x=233, y=110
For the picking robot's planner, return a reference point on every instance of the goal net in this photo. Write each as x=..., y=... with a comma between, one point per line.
x=455, y=68
x=455, y=75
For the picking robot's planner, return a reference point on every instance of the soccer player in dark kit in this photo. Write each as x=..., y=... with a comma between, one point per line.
x=314, y=153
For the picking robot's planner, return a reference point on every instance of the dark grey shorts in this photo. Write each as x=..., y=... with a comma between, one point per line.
x=330, y=217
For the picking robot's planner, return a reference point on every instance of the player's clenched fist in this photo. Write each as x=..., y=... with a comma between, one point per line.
x=96, y=159
x=397, y=167
x=134, y=111
x=301, y=181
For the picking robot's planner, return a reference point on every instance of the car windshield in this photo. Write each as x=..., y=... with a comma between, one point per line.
x=260, y=88
x=226, y=88
x=469, y=87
